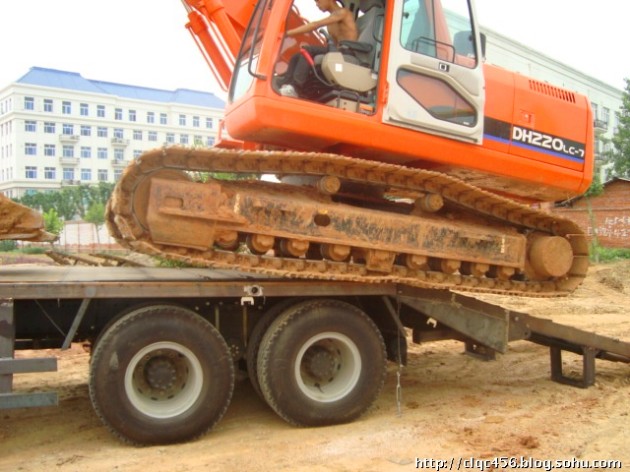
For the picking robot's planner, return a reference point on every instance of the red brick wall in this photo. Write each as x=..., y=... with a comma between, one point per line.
x=611, y=215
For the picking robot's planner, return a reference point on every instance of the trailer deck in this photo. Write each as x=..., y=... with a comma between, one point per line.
x=432, y=315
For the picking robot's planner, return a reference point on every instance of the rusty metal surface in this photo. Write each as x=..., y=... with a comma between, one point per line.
x=94, y=259
x=182, y=221
x=151, y=282
x=18, y=222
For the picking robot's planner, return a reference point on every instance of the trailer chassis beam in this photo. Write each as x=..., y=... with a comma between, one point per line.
x=9, y=366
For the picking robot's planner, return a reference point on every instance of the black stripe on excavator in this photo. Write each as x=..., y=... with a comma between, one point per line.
x=528, y=138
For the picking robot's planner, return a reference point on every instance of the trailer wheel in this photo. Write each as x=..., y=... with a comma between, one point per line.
x=321, y=362
x=255, y=338
x=161, y=374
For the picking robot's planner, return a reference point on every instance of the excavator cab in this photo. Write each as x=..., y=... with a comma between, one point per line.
x=415, y=65
x=433, y=67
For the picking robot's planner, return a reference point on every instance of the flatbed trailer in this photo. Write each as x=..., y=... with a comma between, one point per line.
x=165, y=342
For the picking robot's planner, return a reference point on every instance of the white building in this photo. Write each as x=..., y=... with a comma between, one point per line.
x=58, y=128
x=605, y=99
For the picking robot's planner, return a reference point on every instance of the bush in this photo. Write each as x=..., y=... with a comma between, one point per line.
x=8, y=245
x=33, y=250
x=606, y=254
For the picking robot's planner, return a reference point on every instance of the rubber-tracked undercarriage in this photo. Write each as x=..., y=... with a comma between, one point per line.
x=412, y=226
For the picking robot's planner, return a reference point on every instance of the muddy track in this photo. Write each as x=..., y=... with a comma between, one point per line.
x=126, y=228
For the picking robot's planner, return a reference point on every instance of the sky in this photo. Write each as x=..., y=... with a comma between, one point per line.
x=145, y=43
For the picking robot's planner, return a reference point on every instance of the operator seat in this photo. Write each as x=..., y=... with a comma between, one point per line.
x=353, y=66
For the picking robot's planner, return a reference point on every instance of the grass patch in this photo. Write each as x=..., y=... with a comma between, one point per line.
x=607, y=254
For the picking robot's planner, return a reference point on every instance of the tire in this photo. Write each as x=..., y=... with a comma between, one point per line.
x=321, y=362
x=161, y=374
x=255, y=338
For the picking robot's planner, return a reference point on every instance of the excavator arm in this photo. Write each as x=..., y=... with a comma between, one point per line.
x=218, y=28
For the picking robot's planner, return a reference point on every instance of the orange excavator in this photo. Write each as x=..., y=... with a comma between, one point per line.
x=402, y=158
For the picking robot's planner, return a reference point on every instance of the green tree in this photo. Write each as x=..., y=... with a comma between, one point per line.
x=52, y=222
x=620, y=154
x=69, y=202
x=95, y=214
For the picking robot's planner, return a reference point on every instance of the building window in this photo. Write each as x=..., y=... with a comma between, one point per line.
x=49, y=127
x=48, y=105
x=209, y=123
x=594, y=108
x=182, y=120
x=119, y=154
x=163, y=119
x=137, y=135
x=49, y=150
x=101, y=153
x=86, y=174
x=210, y=141
x=84, y=109
x=50, y=173
x=86, y=130
x=195, y=122
x=137, y=153
x=150, y=117
x=86, y=152
x=101, y=132
x=170, y=138
x=30, y=172
x=68, y=128
x=183, y=139
x=68, y=150
x=30, y=149
x=605, y=115
x=132, y=115
x=68, y=173
x=102, y=175
x=117, y=174
x=152, y=135
x=30, y=126
x=29, y=103
x=118, y=133
x=66, y=108
x=118, y=114
x=100, y=111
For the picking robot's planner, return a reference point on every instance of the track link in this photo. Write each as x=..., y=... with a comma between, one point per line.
x=125, y=226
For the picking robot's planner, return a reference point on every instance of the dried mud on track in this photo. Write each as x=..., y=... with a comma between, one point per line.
x=452, y=406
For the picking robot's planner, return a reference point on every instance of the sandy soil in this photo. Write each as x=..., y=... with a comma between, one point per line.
x=452, y=406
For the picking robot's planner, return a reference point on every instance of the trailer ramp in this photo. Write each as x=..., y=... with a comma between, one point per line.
x=486, y=328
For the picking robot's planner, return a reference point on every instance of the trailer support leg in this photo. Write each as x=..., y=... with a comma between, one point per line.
x=588, y=367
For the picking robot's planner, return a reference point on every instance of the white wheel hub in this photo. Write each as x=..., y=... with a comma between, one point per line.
x=328, y=367
x=163, y=380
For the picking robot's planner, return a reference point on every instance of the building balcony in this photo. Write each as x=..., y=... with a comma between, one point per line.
x=69, y=161
x=600, y=126
x=120, y=163
x=69, y=138
x=120, y=142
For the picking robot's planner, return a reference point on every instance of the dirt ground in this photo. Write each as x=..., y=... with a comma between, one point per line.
x=451, y=407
